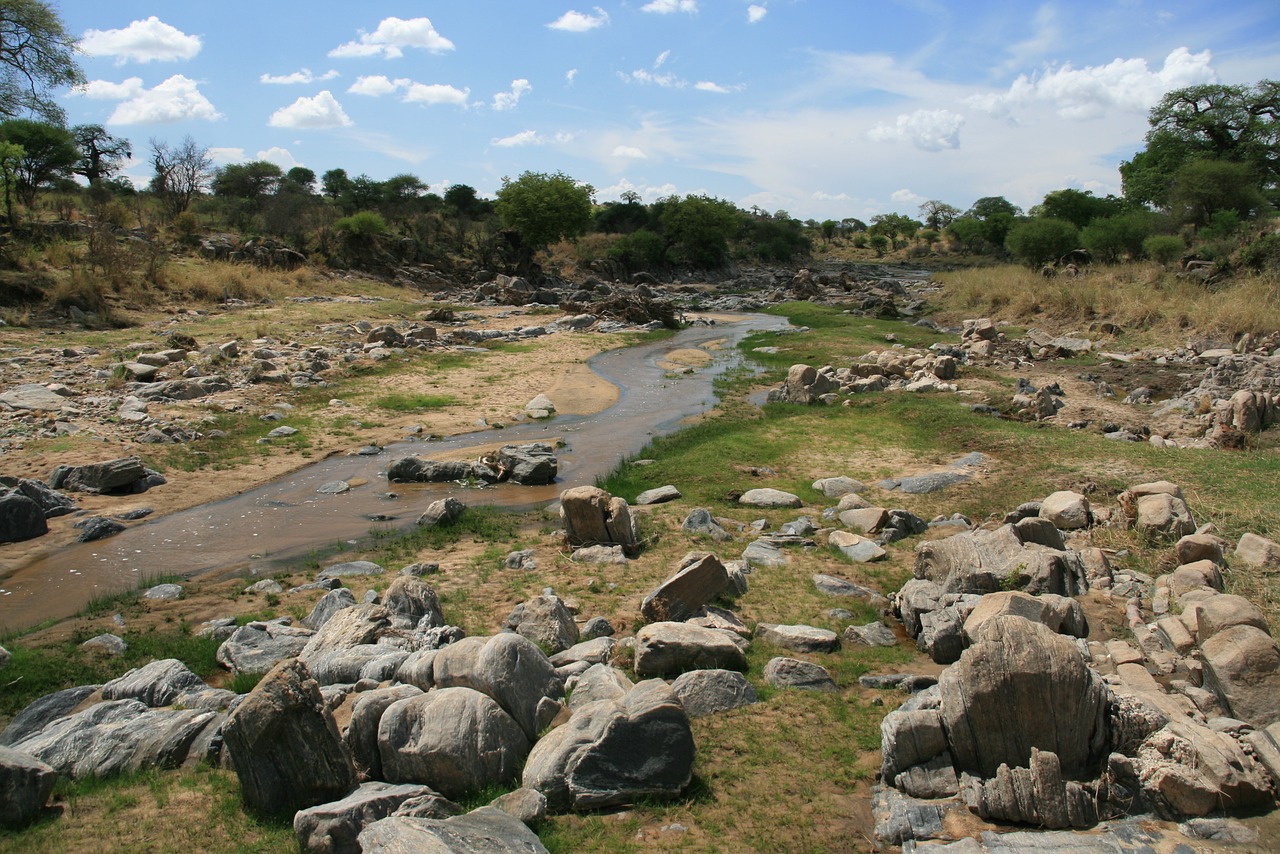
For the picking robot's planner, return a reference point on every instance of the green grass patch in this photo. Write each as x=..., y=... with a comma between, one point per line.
x=414, y=402
x=485, y=524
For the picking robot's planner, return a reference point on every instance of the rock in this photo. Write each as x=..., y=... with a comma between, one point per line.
x=900, y=819
x=52, y=503
x=923, y=484
x=1219, y=613
x=672, y=648
x=1164, y=515
x=658, y=495
x=832, y=586
x=872, y=634
x=593, y=517
x=770, y=499
x=1033, y=608
x=349, y=569
x=521, y=559
x=334, y=827
x=1190, y=770
x=983, y=561
x=483, y=831
x=106, y=644
x=158, y=683
x=113, y=476
x=284, y=745
x=614, y=752
x=164, y=592
x=599, y=555
x=1197, y=547
x=1242, y=665
x=534, y=464
x=94, y=528
x=25, y=786
x=541, y=403
x=510, y=669
x=525, y=805
x=838, y=487
x=43, y=711
x=1068, y=511
x=1021, y=686
x=413, y=604
x=444, y=511
x=941, y=634
x=698, y=580
x=361, y=736
x=765, y=553
x=257, y=647
x=601, y=682
x=798, y=638
x=794, y=673
x=1194, y=576
x=417, y=470
x=701, y=522
x=868, y=520
x=1036, y=794
x=358, y=625
x=20, y=518
x=1258, y=552
x=456, y=740
x=858, y=549
x=597, y=651
x=705, y=692
x=596, y=627
x=545, y=621
x=32, y=397
x=328, y=605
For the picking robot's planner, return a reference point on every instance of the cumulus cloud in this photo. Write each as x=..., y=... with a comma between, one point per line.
x=906, y=197
x=508, y=100
x=709, y=86
x=580, y=22
x=391, y=37
x=1091, y=91
x=105, y=90
x=928, y=130
x=435, y=93
x=822, y=196
x=281, y=157
x=141, y=41
x=303, y=76
x=666, y=7
x=755, y=13
x=375, y=85
x=648, y=191
x=630, y=152
x=570, y=75
x=176, y=99
x=525, y=137
x=223, y=155
x=322, y=111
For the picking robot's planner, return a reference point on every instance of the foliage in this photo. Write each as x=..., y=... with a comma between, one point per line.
x=1262, y=253
x=249, y=181
x=364, y=224
x=698, y=229
x=10, y=162
x=1042, y=239
x=180, y=172
x=1079, y=207
x=1114, y=238
x=101, y=154
x=48, y=151
x=545, y=207
x=37, y=55
x=639, y=250
x=1207, y=186
x=893, y=226
x=937, y=215
x=879, y=243
x=622, y=217
x=776, y=239
x=1163, y=248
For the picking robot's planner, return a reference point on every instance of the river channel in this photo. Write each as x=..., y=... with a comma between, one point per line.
x=255, y=532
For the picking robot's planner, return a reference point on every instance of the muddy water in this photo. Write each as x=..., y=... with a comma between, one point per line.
x=254, y=532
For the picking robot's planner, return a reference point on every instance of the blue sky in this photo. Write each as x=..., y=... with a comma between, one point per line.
x=822, y=108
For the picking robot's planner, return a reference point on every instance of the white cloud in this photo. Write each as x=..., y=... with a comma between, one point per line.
x=1091, y=91
x=281, y=157
x=755, y=14
x=375, y=85
x=508, y=100
x=141, y=41
x=906, y=197
x=303, y=76
x=391, y=37
x=662, y=57
x=176, y=99
x=525, y=137
x=630, y=152
x=222, y=156
x=570, y=74
x=821, y=196
x=563, y=137
x=580, y=22
x=105, y=90
x=435, y=93
x=929, y=130
x=322, y=111
x=666, y=81
x=709, y=86
x=666, y=7
x=647, y=191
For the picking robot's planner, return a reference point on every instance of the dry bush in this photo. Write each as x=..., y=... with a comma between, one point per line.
x=219, y=282
x=80, y=289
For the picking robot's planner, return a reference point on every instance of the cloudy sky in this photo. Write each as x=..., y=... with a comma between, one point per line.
x=823, y=108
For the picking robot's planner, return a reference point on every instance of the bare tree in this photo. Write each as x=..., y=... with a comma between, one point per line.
x=180, y=172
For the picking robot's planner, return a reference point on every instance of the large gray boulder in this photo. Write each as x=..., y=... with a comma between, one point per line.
x=418, y=470
x=1066, y=510
x=671, y=648
x=593, y=517
x=798, y=638
x=354, y=626
x=113, y=476
x=444, y=511
x=158, y=683
x=1035, y=794
x=705, y=692
x=259, y=646
x=599, y=682
x=534, y=464
x=614, y=752
x=1242, y=665
x=989, y=561
x=25, y=786
x=769, y=499
x=328, y=605
x=546, y=621
x=508, y=668
x=20, y=518
x=284, y=744
x=361, y=735
x=483, y=831
x=1258, y=552
x=785, y=672
x=455, y=740
x=1188, y=770
x=44, y=711
x=1019, y=686
x=334, y=828
x=698, y=580
x=413, y=604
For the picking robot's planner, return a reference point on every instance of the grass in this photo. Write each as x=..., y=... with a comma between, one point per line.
x=414, y=402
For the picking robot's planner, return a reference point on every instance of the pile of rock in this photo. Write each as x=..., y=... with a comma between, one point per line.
x=889, y=370
x=532, y=464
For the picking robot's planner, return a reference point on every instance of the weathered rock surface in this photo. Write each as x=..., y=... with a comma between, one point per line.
x=157, y=683
x=43, y=711
x=698, y=580
x=613, y=752
x=361, y=736
x=284, y=744
x=1191, y=770
x=413, y=604
x=328, y=605
x=989, y=561
x=510, y=669
x=794, y=673
x=334, y=827
x=1242, y=665
x=593, y=517
x=25, y=786
x=259, y=646
x=483, y=831
x=546, y=621
x=769, y=499
x=798, y=638
x=705, y=692
x=20, y=518
x=669, y=648
x=1035, y=794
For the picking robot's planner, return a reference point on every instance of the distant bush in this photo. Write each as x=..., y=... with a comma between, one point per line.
x=362, y=224
x=639, y=250
x=1263, y=253
x=1163, y=248
x=1113, y=238
x=1043, y=239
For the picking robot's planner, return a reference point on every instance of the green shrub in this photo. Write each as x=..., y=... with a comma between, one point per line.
x=1263, y=253
x=362, y=224
x=1163, y=248
x=1041, y=240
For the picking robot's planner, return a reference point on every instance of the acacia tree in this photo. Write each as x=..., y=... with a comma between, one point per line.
x=48, y=152
x=37, y=54
x=101, y=154
x=545, y=207
x=181, y=171
x=937, y=215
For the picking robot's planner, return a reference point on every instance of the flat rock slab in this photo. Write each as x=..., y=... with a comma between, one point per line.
x=350, y=568
x=32, y=396
x=799, y=638
x=838, y=487
x=659, y=495
x=769, y=499
x=794, y=673
x=872, y=634
x=671, y=648
x=705, y=692
x=763, y=553
x=700, y=578
x=922, y=484
x=858, y=549
x=832, y=586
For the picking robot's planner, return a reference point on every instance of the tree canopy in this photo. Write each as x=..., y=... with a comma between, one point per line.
x=545, y=207
x=37, y=54
x=48, y=151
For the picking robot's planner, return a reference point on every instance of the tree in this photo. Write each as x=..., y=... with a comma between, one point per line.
x=938, y=215
x=463, y=199
x=1208, y=186
x=967, y=231
x=892, y=225
x=1112, y=238
x=10, y=160
x=1042, y=239
x=181, y=172
x=37, y=54
x=299, y=179
x=251, y=181
x=1079, y=207
x=101, y=154
x=828, y=227
x=545, y=207
x=698, y=228
x=335, y=183
x=48, y=152
x=996, y=214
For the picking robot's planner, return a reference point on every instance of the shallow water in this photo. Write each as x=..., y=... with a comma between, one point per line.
x=253, y=532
